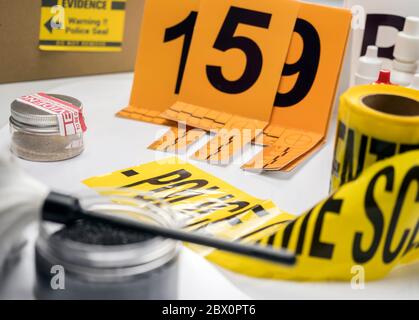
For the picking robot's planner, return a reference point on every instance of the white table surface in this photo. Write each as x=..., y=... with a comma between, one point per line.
x=114, y=143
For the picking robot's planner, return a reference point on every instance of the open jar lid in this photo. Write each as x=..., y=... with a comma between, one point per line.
x=88, y=257
x=25, y=114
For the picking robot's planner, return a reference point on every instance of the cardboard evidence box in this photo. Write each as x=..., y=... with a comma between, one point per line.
x=22, y=60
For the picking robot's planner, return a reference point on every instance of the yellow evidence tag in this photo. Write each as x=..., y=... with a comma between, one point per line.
x=163, y=49
x=82, y=25
x=234, y=66
x=306, y=93
x=177, y=139
x=371, y=222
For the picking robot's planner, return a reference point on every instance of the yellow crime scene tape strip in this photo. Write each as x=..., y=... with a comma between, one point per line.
x=370, y=221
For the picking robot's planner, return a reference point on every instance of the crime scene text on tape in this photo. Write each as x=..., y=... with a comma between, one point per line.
x=372, y=221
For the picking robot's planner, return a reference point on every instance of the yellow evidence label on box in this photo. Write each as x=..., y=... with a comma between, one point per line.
x=82, y=25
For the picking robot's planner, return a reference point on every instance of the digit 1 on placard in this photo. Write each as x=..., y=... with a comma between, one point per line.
x=306, y=66
x=184, y=28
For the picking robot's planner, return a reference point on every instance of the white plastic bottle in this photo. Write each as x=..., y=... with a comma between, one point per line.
x=406, y=53
x=369, y=67
x=415, y=82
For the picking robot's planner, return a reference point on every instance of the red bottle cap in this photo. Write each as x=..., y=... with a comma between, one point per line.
x=384, y=77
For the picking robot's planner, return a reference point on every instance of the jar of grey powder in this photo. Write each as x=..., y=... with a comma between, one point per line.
x=46, y=127
x=96, y=260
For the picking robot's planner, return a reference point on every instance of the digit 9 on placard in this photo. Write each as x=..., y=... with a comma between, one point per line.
x=305, y=67
x=307, y=87
x=311, y=73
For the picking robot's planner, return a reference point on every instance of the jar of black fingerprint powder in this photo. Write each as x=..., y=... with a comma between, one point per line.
x=97, y=260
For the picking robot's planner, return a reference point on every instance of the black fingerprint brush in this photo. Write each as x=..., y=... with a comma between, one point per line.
x=64, y=209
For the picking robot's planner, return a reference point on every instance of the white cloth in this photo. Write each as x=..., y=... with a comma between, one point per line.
x=21, y=198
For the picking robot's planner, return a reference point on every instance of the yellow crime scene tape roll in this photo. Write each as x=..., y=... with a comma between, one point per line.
x=374, y=122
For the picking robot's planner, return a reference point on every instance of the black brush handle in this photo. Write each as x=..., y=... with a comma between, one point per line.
x=265, y=253
x=65, y=209
x=61, y=208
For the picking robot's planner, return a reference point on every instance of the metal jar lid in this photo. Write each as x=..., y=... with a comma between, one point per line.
x=114, y=263
x=24, y=114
